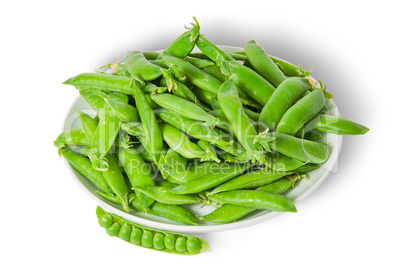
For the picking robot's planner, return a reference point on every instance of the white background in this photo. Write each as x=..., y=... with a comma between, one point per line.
x=350, y=228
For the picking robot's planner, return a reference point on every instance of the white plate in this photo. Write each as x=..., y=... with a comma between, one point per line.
x=302, y=189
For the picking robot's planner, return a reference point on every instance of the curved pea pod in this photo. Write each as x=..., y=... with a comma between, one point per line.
x=210, y=153
x=124, y=111
x=227, y=213
x=173, y=212
x=169, y=211
x=175, y=160
x=198, y=62
x=73, y=137
x=332, y=124
x=104, y=137
x=212, y=51
x=255, y=199
x=95, y=98
x=301, y=149
x=137, y=172
x=249, y=180
x=184, y=108
x=282, y=163
x=183, y=45
x=206, y=97
x=101, y=82
x=114, y=177
x=289, y=69
x=284, y=96
x=152, y=132
x=89, y=125
x=193, y=128
x=180, y=143
x=151, y=55
x=301, y=112
x=162, y=194
x=136, y=64
x=263, y=64
x=280, y=185
x=225, y=172
x=160, y=240
x=82, y=150
x=248, y=80
x=84, y=166
x=242, y=126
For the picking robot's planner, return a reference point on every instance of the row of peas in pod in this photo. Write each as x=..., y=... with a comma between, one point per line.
x=230, y=129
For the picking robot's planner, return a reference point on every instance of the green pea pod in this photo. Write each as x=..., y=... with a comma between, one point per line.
x=175, y=160
x=163, y=195
x=283, y=163
x=284, y=96
x=137, y=172
x=227, y=213
x=95, y=98
x=212, y=51
x=174, y=213
x=198, y=62
x=82, y=150
x=89, y=125
x=225, y=172
x=84, y=166
x=184, y=108
x=182, y=46
x=280, y=185
x=177, y=88
x=169, y=211
x=73, y=137
x=180, y=143
x=206, y=97
x=104, y=138
x=263, y=64
x=332, y=124
x=301, y=149
x=115, y=179
x=193, y=128
x=255, y=199
x=289, y=69
x=152, y=132
x=137, y=64
x=151, y=55
x=249, y=180
x=196, y=76
x=210, y=153
x=307, y=167
x=117, y=97
x=301, y=112
x=242, y=126
x=101, y=82
x=162, y=240
x=215, y=71
x=248, y=80
x=124, y=111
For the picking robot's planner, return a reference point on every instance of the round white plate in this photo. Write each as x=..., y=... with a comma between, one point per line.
x=302, y=189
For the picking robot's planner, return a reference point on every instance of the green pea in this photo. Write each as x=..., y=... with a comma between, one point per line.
x=193, y=245
x=105, y=221
x=170, y=241
x=125, y=232
x=159, y=241
x=147, y=239
x=181, y=244
x=136, y=235
x=113, y=230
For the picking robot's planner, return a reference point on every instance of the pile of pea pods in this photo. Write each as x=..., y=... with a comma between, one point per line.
x=234, y=130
